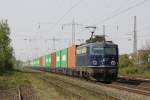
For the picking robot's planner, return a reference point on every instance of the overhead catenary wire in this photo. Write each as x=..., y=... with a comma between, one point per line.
x=67, y=12
x=124, y=10
x=115, y=10
x=129, y=33
x=122, y=5
x=61, y=18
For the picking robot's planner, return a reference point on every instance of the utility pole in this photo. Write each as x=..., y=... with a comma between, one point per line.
x=135, y=40
x=73, y=24
x=73, y=32
x=104, y=30
x=54, y=40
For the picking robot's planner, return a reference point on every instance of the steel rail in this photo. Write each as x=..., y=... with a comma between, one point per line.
x=88, y=89
x=129, y=89
x=80, y=97
x=138, y=90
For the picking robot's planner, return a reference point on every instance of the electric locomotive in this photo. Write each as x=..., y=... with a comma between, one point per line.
x=98, y=60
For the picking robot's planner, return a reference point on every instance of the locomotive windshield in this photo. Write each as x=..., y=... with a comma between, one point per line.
x=98, y=51
x=104, y=51
x=110, y=51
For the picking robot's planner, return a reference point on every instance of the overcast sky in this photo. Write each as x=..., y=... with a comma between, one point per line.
x=30, y=41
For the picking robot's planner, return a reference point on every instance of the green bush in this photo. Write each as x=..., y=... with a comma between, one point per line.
x=129, y=71
x=132, y=70
x=123, y=61
x=148, y=66
x=128, y=67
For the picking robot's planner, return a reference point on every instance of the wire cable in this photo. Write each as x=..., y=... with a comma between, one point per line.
x=68, y=11
x=125, y=10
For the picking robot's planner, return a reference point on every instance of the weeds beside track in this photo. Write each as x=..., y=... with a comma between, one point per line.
x=71, y=89
x=135, y=87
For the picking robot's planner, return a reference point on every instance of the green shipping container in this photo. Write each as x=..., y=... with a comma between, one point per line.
x=34, y=62
x=58, y=60
x=47, y=60
x=64, y=58
x=37, y=63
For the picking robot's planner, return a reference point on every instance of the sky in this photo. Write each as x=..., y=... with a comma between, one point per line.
x=34, y=23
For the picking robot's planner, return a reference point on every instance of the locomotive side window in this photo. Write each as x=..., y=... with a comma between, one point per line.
x=82, y=50
x=78, y=51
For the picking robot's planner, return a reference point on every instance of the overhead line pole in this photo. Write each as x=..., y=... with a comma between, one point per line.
x=73, y=32
x=104, y=30
x=73, y=24
x=135, y=40
x=54, y=43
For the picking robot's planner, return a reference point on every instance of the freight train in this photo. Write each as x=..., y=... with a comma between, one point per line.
x=92, y=60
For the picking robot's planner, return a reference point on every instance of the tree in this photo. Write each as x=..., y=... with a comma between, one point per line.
x=124, y=61
x=143, y=56
x=5, y=48
x=144, y=53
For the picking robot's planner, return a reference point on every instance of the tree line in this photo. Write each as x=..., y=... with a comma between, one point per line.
x=6, y=51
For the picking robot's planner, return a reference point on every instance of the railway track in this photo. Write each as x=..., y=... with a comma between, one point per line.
x=131, y=89
x=10, y=94
x=26, y=93
x=135, y=86
x=131, y=85
x=20, y=93
x=61, y=89
x=66, y=86
x=134, y=78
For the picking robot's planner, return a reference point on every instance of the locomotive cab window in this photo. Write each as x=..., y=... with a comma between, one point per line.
x=98, y=51
x=110, y=51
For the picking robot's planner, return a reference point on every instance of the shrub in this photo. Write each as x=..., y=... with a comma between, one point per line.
x=124, y=61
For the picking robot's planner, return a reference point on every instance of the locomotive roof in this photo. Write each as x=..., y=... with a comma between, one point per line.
x=100, y=43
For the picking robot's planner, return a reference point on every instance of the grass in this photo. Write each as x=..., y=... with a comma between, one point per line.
x=12, y=79
x=43, y=91
x=136, y=70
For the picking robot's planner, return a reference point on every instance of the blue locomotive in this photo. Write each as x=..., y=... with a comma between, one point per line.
x=98, y=60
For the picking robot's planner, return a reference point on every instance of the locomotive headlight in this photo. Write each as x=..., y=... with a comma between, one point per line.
x=104, y=60
x=113, y=63
x=94, y=62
